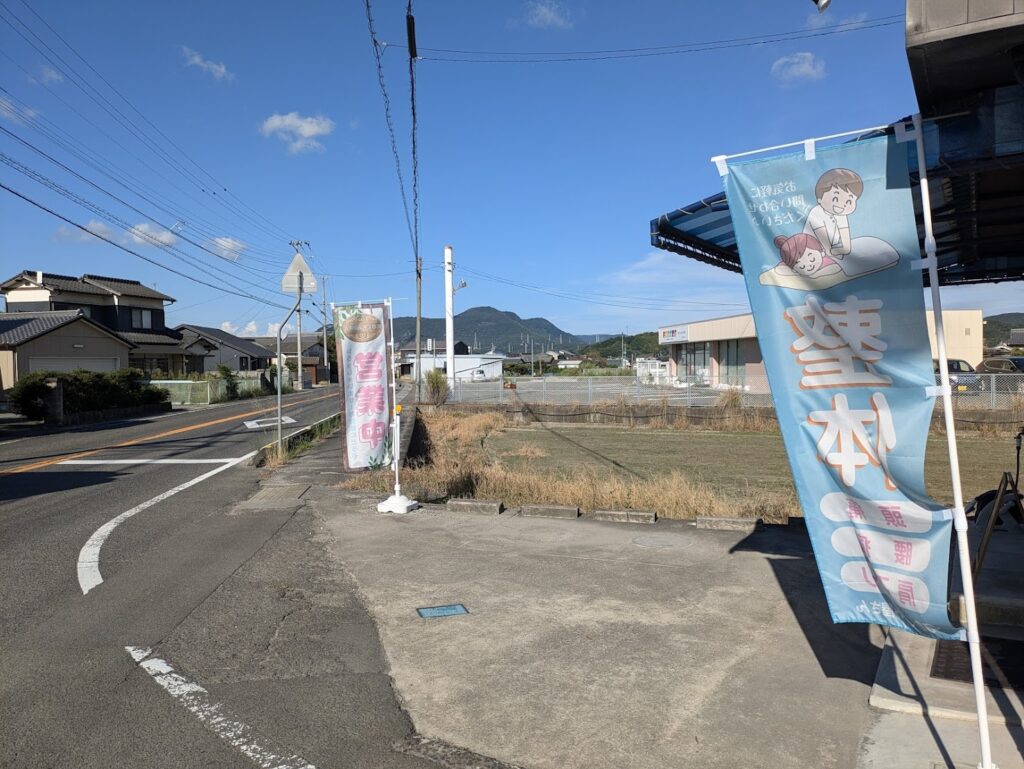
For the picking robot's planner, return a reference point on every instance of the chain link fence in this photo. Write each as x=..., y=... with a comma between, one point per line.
x=186, y=392
x=973, y=392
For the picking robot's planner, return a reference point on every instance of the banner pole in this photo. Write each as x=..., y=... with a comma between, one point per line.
x=395, y=410
x=959, y=517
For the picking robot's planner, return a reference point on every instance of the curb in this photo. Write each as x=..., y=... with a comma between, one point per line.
x=260, y=457
x=749, y=525
x=477, y=506
x=624, y=516
x=549, y=511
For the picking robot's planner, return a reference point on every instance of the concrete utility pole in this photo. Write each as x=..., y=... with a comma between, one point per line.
x=449, y=316
x=323, y=308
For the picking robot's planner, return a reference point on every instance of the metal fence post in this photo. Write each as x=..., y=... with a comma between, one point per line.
x=590, y=390
x=992, y=391
x=543, y=390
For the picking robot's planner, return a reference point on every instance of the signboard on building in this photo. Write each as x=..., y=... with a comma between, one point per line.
x=363, y=336
x=826, y=241
x=672, y=334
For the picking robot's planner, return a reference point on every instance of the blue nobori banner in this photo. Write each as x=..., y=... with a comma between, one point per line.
x=826, y=242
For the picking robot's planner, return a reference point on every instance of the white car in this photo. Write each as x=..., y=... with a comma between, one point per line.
x=478, y=375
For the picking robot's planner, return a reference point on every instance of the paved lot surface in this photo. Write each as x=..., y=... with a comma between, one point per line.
x=608, y=645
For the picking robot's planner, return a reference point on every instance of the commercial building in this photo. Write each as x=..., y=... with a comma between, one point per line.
x=725, y=351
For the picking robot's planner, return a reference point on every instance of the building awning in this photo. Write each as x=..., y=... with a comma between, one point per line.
x=976, y=178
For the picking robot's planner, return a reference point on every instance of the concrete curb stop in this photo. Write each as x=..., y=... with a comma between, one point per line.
x=549, y=511
x=624, y=516
x=477, y=506
x=749, y=525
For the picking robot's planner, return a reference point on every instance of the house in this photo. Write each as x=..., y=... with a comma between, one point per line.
x=222, y=349
x=432, y=355
x=133, y=311
x=57, y=340
x=312, y=352
x=1017, y=337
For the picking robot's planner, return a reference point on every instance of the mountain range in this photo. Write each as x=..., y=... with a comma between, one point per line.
x=489, y=327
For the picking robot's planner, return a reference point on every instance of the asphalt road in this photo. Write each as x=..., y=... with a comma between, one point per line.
x=70, y=693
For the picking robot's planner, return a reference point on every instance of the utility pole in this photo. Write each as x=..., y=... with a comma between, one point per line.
x=323, y=308
x=449, y=316
x=297, y=245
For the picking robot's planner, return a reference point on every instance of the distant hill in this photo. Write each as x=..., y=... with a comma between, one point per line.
x=645, y=344
x=997, y=327
x=497, y=328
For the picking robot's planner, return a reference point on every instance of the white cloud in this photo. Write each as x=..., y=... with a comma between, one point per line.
x=228, y=326
x=801, y=67
x=50, y=75
x=147, y=234
x=217, y=69
x=273, y=328
x=250, y=329
x=69, y=234
x=229, y=248
x=548, y=14
x=300, y=133
x=12, y=112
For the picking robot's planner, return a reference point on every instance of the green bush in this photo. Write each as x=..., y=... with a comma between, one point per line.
x=230, y=381
x=437, y=386
x=85, y=391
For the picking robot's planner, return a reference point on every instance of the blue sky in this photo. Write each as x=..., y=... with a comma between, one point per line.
x=543, y=174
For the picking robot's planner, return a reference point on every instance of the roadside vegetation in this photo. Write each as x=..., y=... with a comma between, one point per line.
x=729, y=462
x=300, y=444
x=85, y=391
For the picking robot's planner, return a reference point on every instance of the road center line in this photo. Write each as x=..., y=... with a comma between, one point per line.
x=89, y=557
x=147, y=461
x=213, y=715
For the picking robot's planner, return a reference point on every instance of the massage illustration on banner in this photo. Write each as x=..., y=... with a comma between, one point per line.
x=825, y=253
x=840, y=317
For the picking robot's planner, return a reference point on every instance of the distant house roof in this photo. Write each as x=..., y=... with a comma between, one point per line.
x=244, y=345
x=16, y=328
x=167, y=337
x=460, y=347
x=1017, y=336
x=289, y=342
x=87, y=284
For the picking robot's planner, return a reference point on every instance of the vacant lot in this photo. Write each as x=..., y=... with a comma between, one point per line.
x=734, y=464
x=677, y=473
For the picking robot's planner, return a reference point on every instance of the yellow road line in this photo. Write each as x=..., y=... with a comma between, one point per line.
x=167, y=433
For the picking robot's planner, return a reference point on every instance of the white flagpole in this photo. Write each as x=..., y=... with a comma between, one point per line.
x=959, y=517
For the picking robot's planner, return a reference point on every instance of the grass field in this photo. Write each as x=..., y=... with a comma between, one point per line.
x=736, y=465
x=678, y=473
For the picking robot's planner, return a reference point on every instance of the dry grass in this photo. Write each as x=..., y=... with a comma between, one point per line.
x=459, y=465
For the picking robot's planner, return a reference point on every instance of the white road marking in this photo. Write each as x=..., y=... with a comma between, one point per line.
x=256, y=424
x=89, y=557
x=213, y=715
x=147, y=461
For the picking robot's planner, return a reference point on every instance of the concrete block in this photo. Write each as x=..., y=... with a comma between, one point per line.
x=477, y=506
x=624, y=516
x=550, y=511
x=748, y=525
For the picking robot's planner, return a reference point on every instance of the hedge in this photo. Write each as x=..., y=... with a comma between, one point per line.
x=85, y=391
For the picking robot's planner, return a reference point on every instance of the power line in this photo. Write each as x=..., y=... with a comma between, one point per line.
x=378, y=49
x=130, y=251
x=642, y=53
x=123, y=120
x=130, y=229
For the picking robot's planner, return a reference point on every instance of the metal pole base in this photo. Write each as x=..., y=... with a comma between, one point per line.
x=398, y=504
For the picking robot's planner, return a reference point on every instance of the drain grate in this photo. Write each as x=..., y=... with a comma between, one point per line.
x=1002, y=662
x=448, y=610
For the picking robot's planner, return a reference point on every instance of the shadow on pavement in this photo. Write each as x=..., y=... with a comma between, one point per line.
x=842, y=650
x=31, y=484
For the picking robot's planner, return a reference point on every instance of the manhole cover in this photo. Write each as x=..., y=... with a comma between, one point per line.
x=448, y=610
x=653, y=541
x=1002, y=662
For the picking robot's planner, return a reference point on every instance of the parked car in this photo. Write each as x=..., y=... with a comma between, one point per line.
x=1011, y=369
x=478, y=375
x=962, y=377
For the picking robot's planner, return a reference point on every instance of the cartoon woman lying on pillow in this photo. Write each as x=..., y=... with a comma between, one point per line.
x=802, y=264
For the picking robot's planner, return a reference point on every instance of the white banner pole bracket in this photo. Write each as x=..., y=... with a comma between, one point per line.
x=719, y=161
x=809, y=149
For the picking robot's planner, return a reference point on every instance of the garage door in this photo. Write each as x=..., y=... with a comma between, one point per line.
x=71, y=364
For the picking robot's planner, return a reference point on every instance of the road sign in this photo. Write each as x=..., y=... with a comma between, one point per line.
x=290, y=281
